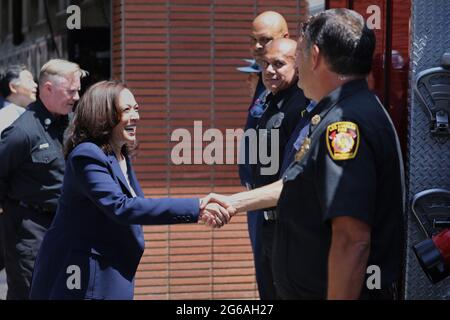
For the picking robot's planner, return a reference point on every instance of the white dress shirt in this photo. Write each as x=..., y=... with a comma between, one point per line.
x=8, y=114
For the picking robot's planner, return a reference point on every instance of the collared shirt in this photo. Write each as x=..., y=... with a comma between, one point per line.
x=31, y=158
x=283, y=112
x=124, y=167
x=8, y=114
x=352, y=168
x=298, y=135
x=255, y=111
x=304, y=131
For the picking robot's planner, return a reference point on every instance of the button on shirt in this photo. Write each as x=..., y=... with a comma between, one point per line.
x=31, y=158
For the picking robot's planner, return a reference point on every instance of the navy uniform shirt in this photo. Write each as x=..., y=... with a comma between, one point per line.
x=353, y=168
x=283, y=112
x=31, y=158
x=298, y=135
x=255, y=112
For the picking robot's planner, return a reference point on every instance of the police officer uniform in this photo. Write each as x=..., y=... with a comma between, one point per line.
x=349, y=165
x=283, y=112
x=254, y=218
x=31, y=173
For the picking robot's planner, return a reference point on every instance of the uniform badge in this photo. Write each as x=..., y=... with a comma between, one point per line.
x=275, y=121
x=343, y=140
x=315, y=120
x=303, y=149
x=44, y=146
x=258, y=107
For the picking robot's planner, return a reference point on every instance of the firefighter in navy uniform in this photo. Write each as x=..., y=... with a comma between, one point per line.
x=339, y=178
x=284, y=106
x=341, y=208
x=340, y=204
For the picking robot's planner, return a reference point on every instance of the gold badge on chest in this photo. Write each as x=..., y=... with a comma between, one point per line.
x=303, y=149
x=315, y=120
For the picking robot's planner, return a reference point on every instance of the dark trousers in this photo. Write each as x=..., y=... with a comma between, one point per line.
x=268, y=291
x=254, y=222
x=23, y=231
x=2, y=253
x=386, y=292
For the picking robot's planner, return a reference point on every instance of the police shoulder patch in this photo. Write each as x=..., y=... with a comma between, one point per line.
x=343, y=140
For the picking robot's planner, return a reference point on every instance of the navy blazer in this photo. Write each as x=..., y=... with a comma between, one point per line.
x=97, y=230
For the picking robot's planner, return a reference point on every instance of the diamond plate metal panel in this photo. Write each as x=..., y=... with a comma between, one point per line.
x=428, y=157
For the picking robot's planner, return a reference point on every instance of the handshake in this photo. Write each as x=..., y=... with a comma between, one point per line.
x=216, y=210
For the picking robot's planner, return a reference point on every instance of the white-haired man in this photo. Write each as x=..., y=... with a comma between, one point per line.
x=32, y=169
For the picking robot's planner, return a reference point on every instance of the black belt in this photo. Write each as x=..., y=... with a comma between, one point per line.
x=270, y=215
x=37, y=208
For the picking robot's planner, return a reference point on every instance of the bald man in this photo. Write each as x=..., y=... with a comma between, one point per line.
x=266, y=27
x=285, y=104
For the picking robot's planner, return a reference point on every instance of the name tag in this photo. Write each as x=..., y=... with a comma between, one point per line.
x=44, y=146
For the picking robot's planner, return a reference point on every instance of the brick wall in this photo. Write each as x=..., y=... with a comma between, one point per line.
x=179, y=59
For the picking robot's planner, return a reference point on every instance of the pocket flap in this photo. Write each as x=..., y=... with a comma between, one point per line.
x=45, y=156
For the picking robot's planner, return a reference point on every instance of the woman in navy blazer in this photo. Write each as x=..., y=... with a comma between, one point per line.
x=95, y=243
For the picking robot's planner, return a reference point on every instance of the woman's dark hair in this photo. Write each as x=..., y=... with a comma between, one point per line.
x=344, y=40
x=10, y=74
x=96, y=116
